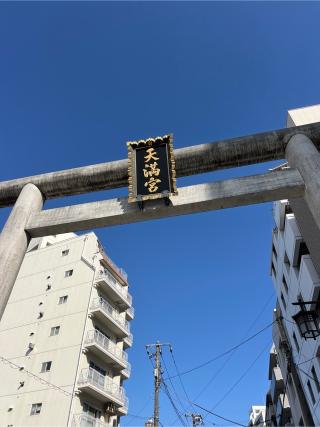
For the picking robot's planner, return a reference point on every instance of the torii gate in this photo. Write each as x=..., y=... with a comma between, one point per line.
x=299, y=145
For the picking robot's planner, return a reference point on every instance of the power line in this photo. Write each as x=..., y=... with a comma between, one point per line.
x=34, y=376
x=139, y=412
x=234, y=351
x=180, y=379
x=219, y=416
x=241, y=376
x=306, y=361
x=173, y=388
x=225, y=353
x=166, y=390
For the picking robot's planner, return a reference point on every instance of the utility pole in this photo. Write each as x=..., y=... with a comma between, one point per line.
x=157, y=376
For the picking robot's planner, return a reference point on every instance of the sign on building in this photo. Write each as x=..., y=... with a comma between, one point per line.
x=152, y=172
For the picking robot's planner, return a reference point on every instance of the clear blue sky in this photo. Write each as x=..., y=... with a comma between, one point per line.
x=80, y=79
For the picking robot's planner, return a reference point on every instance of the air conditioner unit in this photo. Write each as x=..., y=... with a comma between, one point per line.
x=31, y=345
x=110, y=408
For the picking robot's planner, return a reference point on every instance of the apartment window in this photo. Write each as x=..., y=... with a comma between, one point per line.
x=285, y=285
x=91, y=410
x=303, y=250
x=311, y=392
x=65, y=252
x=55, y=330
x=97, y=368
x=46, y=366
x=63, y=299
x=36, y=408
x=296, y=342
x=315, y=378
x=68, y=273
x=283, y=301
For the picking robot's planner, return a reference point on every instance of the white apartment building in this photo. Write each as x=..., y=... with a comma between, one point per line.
x=294, y=362
x=65, y=332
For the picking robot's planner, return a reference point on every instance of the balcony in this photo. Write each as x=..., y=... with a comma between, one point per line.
x=85, y=420
x=277, y=383
x=106, y=349
x=130, y=313
x=108, y=314
x=101, y=388
x=123, y=410
x=127, y=341
x=113, y=289
x=283, y=410
x=127, y=371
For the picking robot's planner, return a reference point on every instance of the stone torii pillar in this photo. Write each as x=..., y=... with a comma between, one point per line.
x=302, y=154
x=14, y=239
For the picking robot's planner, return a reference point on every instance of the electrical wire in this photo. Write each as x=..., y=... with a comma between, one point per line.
x=34, y=376
x=241, y=376
x=224, y=353
x=218, y=372
x=309, y=376
x=180, y=379
x=139, y=412
x=306, y=361
x=172, y=385
x=166, y=390
x=219, y=416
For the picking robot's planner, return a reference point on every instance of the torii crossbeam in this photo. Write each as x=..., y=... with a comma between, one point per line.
x=299, y=145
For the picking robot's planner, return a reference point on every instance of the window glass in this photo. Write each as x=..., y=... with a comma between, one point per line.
x=63, y=299
x=55, y=330
x=36, y=408
x=68, y=273
x=46, y=366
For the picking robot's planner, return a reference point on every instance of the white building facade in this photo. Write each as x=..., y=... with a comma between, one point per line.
x=294, y=396
x=63, y=337
x=294, y=364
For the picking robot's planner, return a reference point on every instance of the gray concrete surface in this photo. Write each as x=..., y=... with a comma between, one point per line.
x=303, y=155
x=14, y=240
x=197, y=159
x=192, y=199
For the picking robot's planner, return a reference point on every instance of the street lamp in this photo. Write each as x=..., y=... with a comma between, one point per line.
x=307, y=320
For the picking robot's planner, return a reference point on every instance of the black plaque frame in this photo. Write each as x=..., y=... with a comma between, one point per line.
x=133, y=146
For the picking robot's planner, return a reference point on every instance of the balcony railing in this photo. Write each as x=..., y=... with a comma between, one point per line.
x=98, y=338
x=130, y=312
x=106, y=385
x=127, y=370
x=84, y=420
x=111, y=311
x=123, y=291
x=129, y=339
